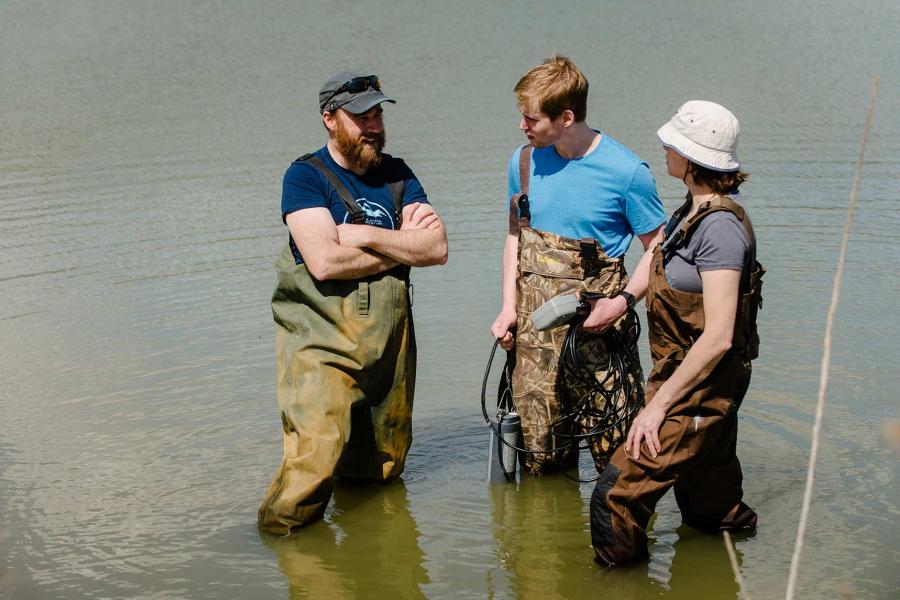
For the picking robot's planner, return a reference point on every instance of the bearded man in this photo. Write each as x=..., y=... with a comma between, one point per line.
x=346, y=354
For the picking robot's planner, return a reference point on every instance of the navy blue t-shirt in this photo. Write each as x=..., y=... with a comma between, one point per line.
x=305, y=187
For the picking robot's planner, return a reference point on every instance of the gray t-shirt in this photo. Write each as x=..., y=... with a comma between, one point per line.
x=718, y=242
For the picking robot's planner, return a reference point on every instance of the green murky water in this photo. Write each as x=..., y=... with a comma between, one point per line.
x=141, y=153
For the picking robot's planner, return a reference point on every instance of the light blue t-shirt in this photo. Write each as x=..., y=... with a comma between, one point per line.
x=608, y=194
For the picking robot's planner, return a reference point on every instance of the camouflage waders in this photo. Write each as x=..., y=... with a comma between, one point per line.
x=699, y=436
x=345, y=369
x=550, y=265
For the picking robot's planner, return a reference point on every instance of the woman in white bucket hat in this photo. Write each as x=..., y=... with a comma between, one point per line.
x=703, y=288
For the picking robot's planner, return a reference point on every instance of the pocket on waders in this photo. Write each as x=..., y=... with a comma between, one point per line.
x=544, y=272
x=547, y=261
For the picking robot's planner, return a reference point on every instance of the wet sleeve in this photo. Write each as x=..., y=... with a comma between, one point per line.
x=302, y=187
x=643, y=209
x=722, y=243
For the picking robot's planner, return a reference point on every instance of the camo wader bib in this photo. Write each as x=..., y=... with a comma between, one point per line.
x=345, y=368
x=699, y=436
x=550, y=265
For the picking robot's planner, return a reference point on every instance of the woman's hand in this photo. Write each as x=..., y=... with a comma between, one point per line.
x=645, y=429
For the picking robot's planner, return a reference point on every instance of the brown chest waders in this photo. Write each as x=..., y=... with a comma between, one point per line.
x=345, y=367
x=550, y=265
x=699, y=436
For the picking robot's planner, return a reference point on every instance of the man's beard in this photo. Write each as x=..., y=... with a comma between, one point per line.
x=362, y=152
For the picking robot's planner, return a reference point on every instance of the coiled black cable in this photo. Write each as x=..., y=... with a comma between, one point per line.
x=594, y=411
x=598, y=412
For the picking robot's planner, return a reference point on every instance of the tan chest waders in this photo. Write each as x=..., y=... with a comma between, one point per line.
x=699, y=435
x=550, y=265
x=345, y=366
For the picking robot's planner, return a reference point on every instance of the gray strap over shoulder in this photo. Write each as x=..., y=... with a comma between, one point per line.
x=398, y=188
x=717, y=204
x=356, y=213
x=673, y=237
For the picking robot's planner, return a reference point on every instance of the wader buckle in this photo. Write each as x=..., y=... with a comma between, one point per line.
x=588, y=249
x=524, y=207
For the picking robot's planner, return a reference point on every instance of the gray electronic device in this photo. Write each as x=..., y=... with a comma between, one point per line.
x=556, y=311
x=503, y=459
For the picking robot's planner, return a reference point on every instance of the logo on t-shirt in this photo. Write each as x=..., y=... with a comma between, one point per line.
x=375, y=213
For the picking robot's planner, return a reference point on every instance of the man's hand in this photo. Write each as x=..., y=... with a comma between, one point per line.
x=604, y=312
x=504, y=327
x=351, y=235
x=415, y=216
x=419, y=216
x=645, y=429
x=421, y=240
x=316, y=236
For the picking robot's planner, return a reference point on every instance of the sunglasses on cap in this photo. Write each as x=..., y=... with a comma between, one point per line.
x=356, y=85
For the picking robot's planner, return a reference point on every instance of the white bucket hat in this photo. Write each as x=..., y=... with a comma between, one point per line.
x=705, y=133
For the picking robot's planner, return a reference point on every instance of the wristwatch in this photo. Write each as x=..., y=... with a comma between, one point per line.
x=630, y=300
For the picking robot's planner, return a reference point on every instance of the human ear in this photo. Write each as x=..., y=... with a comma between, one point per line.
x=328, y=120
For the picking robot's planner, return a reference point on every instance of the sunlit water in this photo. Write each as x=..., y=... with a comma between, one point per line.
x=141, y=154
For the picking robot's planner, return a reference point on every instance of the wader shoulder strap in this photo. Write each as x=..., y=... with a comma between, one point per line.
x=524, y=168
x=519, y=207
x=356, y=213
x=669, y=241
x=719, y=203
x=398, y=188
x=676, y=217
x=747, y=343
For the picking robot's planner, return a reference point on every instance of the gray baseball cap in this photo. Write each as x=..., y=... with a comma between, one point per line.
x=354, y=91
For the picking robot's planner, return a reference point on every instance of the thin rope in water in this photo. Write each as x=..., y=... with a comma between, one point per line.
x=826, y=355
x=732, y=556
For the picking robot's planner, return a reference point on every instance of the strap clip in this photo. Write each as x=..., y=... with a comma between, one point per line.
x=588, y=249
x=524, y=208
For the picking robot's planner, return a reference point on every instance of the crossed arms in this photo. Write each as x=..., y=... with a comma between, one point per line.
x=349, y=251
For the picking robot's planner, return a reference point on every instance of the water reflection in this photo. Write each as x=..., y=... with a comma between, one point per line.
x=543, y=544
x=543, y=550
x=700, y=565
x=367, y=547
x=149, y=351
x=534, y=529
